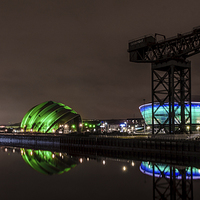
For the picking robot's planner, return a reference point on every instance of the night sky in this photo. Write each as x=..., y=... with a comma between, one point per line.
x=75, y=52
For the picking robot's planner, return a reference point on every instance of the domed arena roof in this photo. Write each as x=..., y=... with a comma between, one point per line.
x=146, y=111
x=47, y=162
x=47, y=117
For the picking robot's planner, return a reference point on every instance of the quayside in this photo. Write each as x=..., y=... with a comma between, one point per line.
x=171, y=150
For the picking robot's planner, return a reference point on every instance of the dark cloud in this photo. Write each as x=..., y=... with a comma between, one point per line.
x=75, y=52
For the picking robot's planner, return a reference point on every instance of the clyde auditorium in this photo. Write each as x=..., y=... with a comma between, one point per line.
x=51, y=117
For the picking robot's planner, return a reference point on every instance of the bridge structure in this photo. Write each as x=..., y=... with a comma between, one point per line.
x=170, y=76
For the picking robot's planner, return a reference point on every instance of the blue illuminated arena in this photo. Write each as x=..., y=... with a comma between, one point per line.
x=146, y=111
x=147, y=168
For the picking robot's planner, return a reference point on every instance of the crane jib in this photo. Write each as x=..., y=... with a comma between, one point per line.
x=148, y=49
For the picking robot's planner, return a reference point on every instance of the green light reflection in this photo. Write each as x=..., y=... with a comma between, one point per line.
x=47, y=162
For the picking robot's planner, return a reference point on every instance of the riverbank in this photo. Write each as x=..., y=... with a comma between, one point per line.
x=174, y=151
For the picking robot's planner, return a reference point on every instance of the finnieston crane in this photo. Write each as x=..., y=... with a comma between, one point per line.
x=171, y=77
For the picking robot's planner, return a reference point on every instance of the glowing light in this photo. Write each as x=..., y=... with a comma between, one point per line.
x=104, y=162
x=42, y=117
x=6, y=149
x=147, y=168
x=53, y=155
x=122, y=125
x=43, y=162
x=132, y=164
x=124, y=168
x=13, y=150
x=146, y=111
x=88, y=159
x=73, y=126
x=81, y=160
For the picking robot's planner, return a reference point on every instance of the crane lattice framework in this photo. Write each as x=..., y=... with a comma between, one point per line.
x=171, y=77
x=168, y=186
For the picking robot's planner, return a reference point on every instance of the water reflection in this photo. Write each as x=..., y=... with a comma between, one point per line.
x=47, y=162
x=171, y=182
x=159, y=169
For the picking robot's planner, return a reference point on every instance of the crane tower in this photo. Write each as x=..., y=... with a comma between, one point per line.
x=171, y=77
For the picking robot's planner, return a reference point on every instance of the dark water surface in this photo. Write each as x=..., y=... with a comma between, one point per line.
x=29, y=174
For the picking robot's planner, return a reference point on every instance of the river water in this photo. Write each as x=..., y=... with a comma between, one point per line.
x=34, y=175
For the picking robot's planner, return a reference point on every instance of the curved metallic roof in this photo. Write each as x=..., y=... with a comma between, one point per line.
x=47, y=162
x=47, y=117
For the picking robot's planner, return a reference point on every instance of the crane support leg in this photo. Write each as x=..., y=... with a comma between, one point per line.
x=169, y=186
x=171, y=97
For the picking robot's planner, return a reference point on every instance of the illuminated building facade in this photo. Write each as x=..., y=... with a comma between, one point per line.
x=129, y=125
x=146, y=111
x=92, y=126
x=51, y=117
